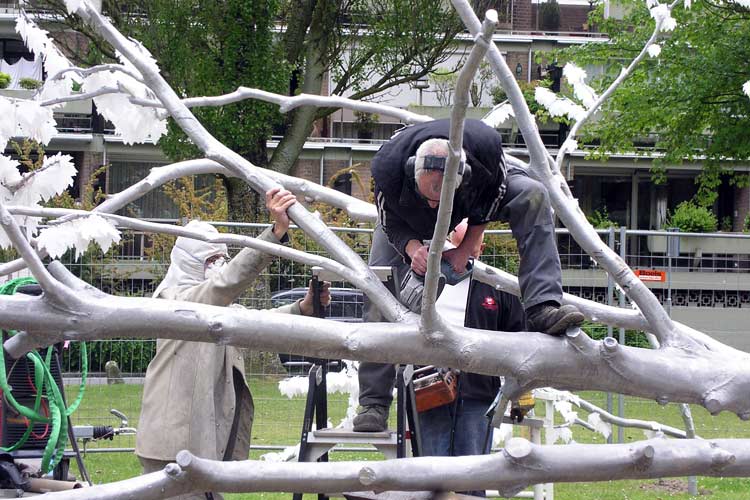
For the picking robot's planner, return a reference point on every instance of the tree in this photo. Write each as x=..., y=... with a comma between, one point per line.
x=718, y=376
x=687, y=98
x=212, y=48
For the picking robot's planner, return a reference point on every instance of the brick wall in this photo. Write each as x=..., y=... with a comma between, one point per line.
x=310, y=170
x=89, y=162
x=514, y=58
x=573, y=17
x=523, y=17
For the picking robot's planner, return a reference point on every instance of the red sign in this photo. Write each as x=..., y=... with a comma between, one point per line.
x=651, y=275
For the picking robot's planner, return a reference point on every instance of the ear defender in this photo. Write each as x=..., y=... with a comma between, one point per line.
x=438, y=163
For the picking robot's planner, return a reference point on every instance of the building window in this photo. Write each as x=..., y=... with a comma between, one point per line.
x=13, y=50
x=155, y=204
x=19, y=63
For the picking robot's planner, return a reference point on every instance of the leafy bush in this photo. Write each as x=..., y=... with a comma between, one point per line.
x=132, y=356
x=443, y=82
x=600, y=219
x=29, y=83
x=691, y=218
x=549, y=12
x=4, y=80
x=726, y=223
x=746, y=224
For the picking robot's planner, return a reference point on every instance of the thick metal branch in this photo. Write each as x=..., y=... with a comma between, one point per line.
x=518, y=466
x=713, y=379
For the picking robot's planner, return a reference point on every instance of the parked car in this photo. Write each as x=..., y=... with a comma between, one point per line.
x=346, y=306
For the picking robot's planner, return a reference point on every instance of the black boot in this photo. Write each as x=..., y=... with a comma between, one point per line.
x=552, y=319
x=371, y=418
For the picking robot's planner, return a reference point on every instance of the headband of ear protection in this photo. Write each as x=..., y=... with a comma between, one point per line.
x=438, y=163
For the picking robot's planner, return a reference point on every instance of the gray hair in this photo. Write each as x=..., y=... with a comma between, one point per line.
x=434, y=147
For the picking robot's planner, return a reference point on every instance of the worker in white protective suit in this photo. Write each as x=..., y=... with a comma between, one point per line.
x=195, y=395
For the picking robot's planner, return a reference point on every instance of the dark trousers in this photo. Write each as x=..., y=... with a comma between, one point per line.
x=457, y=429
x=526, y=207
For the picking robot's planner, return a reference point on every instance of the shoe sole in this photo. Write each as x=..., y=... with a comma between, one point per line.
x=368, y=428
x=572, y=319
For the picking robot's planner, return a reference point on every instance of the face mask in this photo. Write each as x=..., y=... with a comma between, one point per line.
x=215, y=267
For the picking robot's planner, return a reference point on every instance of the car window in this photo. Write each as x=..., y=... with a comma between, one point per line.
x=346, y=304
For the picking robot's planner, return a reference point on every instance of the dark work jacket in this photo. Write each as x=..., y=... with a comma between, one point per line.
x=489, y=309
x=404, y=215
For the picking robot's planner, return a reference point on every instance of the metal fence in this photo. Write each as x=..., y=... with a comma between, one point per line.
x=707, y=273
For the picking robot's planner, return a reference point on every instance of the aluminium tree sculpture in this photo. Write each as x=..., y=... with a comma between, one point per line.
x=136, y=99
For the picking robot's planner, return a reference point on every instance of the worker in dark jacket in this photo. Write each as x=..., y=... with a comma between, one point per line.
x=461, y=428
x=408, y=173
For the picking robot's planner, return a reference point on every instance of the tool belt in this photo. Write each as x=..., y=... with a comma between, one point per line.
x=434, y=387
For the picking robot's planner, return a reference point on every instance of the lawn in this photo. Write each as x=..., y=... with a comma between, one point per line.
x=278, y=420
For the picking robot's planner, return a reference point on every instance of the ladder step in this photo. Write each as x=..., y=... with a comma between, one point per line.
x=348, y=436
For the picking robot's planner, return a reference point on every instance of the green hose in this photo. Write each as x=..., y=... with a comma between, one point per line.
x=43, y=382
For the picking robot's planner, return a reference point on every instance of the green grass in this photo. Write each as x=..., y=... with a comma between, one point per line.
x=278, y=421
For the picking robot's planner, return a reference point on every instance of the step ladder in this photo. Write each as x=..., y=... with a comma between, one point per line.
x=316, y=443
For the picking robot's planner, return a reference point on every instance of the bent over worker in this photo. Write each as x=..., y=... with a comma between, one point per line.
x=408, y=172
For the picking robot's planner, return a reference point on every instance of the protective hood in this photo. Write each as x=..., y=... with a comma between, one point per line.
x=188, y=258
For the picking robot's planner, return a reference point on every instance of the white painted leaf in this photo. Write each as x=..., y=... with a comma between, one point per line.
x=558, y=106
x=136, y=124
x=73, y=5
x=344, y=382
x=288, y=454
x=501, y=435
x=293, y=386
x=562, y=434
x=42, y=46
x=654, y=50
x=577, y=78
x=599, y=425
x=499, y=115
x=570, y=145
x=144, y=54
x=55, y=175
x=54, y=61
x=8, y=122
x=54, y=89
x=653, y=434
x=35, y=122
x=78, y=233
x=662, y=13
x=746, y=88
x=565, y=408
x=669, y=24
x=9, y=173
x=33, y=37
